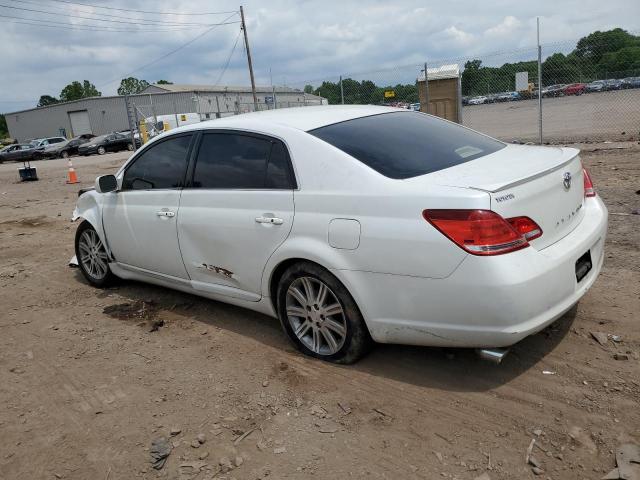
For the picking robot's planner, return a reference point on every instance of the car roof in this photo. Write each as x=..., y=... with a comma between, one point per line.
x=300, y=118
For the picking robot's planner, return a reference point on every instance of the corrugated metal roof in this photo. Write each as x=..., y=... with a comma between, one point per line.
x=178, y=87
x=441, y=73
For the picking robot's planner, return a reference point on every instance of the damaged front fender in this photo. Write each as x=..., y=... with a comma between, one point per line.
x=89, y=208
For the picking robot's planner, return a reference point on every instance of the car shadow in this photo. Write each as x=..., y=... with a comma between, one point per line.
x=448, y=369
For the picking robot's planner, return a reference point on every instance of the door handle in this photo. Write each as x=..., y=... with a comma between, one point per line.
x=165, y=213
x=271, y=220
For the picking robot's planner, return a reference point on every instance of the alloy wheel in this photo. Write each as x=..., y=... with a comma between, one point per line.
x=93, y=255
x=316, y=316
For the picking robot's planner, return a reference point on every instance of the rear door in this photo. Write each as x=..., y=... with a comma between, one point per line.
x=140, y=219
x=235, y=212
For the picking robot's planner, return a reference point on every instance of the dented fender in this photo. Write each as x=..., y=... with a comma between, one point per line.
x=89, y=208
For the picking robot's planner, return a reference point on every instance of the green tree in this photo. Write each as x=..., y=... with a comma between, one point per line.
x=131, y=85
x=47, y=100
x=596, y=44
x=76, y=90
x=4, y=131
x=164, y=82
x=308, y=89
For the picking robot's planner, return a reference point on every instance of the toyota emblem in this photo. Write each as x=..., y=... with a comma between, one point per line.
x=566, y=180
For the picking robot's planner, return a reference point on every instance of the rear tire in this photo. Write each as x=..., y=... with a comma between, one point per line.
x=320, y=316
x=64, y=154
x=92, y=256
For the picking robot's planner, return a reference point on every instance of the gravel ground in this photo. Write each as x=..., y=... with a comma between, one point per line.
x=601, y=116
x=87, y=386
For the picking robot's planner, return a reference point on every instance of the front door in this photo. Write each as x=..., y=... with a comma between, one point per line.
x=140, y=219
x=236, y=211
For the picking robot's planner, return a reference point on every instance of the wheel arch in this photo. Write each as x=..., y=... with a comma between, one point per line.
x=284, y=264
x=89, y=209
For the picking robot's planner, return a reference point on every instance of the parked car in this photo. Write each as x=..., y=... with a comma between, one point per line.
x=554, y=90
x=613, y=84
x=415, y=107
x=575, y=89
x=112, y=142
x=67, y=148
x=16, y=153
x=631, y=82
x=508, y=97
x=477, y=100
x=596, y=86
x=41, y=143
x=517, y=230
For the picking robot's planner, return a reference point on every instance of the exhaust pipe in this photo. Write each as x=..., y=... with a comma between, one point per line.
x=494, y=355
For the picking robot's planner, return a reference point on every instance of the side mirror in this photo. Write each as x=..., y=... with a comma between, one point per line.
x=106, y=184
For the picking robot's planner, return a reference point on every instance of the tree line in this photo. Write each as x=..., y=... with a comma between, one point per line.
x=599, y=55
x=77, y=90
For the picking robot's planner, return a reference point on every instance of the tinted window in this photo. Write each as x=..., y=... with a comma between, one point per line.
x=231, y=161
x=162, y=165
x=279, y=173
x=404, y=145
x=56, y=140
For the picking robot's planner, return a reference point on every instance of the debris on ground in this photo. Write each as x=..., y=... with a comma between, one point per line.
x=175, y=431
x=600, y=337
x=620, y=356
x=627, y=463
x=548, y=372
x=160, y=450
x=201, y=438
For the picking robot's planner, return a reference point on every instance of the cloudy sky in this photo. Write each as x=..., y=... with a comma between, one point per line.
x=296, y=42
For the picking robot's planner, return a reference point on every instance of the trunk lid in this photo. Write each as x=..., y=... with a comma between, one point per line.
x=525, y=180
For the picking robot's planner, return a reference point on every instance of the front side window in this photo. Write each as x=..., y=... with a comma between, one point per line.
x=162, y=165
x=230, y=160
x=407, y=144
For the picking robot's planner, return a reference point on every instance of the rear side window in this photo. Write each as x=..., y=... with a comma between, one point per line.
x=162, y=165
x=407, y=144
x=229, y=160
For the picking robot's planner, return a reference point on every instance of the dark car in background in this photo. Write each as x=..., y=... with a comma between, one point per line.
x=631, y=82
x=613, y=84
x=111, y=142
x=67, y=148
x=554, y=90
x=596, y=86
x=17, y=153
x=575, y=89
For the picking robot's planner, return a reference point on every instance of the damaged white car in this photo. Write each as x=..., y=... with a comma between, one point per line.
x=353, y=225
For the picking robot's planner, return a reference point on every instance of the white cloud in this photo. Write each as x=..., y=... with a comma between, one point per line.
x=298, y=40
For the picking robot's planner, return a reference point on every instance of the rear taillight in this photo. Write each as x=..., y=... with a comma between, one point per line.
x=482, y=232
x=589, y=190
x=525, y=226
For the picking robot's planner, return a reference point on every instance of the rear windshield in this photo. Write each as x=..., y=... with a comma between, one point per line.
x=407, y=144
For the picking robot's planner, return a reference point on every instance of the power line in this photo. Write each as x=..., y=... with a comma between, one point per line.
x=228, y=59
x=98, y=19
x=87, y=27
x=141, y=11
x=184, y=45
x=108, y=15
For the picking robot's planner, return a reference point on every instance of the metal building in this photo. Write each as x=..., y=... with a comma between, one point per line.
x=100, y=115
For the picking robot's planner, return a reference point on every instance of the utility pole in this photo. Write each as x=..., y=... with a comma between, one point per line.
x=539, y=84
x=246, y=44
x=426, y=89
x=341, y=91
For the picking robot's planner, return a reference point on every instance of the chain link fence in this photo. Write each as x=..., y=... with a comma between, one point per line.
x=590, y=91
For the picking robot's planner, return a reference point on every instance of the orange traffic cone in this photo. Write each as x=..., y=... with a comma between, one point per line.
x=72, y=177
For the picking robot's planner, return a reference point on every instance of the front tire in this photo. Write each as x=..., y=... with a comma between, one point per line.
x=101, y=151
x=320, y=316
x=64, y=154
x=130, y=147
x=92, y=256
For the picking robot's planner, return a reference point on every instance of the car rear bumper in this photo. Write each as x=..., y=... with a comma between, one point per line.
x=487, y=301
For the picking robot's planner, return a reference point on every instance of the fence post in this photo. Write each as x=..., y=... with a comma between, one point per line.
x=341, y=91
x=539, y=83
x=426, y=89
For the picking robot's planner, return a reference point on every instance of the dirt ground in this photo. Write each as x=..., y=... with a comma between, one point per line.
x=86, y=385
x=601, y=116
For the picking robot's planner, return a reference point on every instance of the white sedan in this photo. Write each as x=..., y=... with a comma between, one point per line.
x=353, y=225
